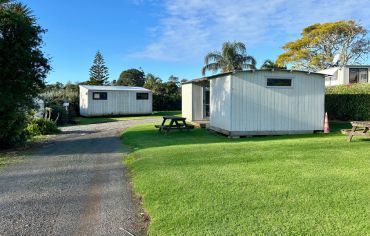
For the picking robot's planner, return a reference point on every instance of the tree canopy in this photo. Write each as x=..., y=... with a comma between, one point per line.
x=233, y=56
x=154, y=84
x=23, y=68
x=99, y=74
x=269, y=64
x=319, y=43
x=131, y=77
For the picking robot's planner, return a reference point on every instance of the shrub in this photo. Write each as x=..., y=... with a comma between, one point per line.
x=33, y=129
x=348, y=102
x=55, y=95
x=12, y=129
x=60, y=113
x=166, y=102
x=40, y=126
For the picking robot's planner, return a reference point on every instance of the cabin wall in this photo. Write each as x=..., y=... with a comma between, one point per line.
x=343, y=75
x=187, y=101
x=118, y=103
x=220, y=103
x=197, y=93
x=259, y=109
x=192, y=102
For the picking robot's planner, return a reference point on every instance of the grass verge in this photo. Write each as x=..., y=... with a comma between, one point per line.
x=95, y=120
x=198, y=183
x=8, y=158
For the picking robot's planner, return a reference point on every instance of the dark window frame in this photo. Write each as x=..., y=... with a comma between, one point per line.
x=357, y=71
x=142, y=96
x=279, y=82
x=104, y=97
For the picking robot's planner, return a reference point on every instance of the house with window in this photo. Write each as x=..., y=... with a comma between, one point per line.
x=257, y=102
x=348, y=74
x=114, y=100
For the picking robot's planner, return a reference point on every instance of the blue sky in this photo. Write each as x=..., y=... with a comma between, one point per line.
x=171, y=37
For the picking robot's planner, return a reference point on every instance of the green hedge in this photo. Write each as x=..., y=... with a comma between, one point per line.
x=348, y=102
x=166, y=102
x=40, y=126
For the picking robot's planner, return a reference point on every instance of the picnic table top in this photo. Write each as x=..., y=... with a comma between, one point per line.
x=174, y=118
x=361, y=123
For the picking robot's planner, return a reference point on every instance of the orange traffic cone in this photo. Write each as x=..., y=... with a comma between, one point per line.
x=326, y=124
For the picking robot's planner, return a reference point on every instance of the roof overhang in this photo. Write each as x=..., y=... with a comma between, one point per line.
x=114, y=88
x=249, y=71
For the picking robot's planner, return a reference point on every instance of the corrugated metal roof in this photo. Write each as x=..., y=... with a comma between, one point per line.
x=250, y=70
x=330, y=71
x=360, y=66
x=113, y=88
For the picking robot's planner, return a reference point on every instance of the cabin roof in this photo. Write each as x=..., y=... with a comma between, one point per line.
x=205, y=78
x=113, y=88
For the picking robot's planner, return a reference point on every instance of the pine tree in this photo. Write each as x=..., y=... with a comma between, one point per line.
x=99, y=71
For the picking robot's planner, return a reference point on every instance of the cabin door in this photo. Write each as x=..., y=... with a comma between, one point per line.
x=206, y=102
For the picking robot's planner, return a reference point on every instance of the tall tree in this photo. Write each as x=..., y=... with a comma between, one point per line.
x=233, y=56
x=99, y=71
x=154, y=84
x=131, y=77
x=23, y=68
x=319, y=43
x=269, y=64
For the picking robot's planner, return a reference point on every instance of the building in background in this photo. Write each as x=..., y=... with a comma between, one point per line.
x=114, y=100
x=348, y=74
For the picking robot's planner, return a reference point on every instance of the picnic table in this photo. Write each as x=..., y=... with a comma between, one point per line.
x=359, y=128
x=176, y=123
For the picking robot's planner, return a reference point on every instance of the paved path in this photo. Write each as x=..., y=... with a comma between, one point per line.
x=74, y=185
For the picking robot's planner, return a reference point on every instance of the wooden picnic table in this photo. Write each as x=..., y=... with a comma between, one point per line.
x=176, y=122
x=359, y=128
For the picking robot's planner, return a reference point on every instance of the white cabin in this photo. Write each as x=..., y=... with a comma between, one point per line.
x=114, y=100
x=348, y=74
x=257, y=102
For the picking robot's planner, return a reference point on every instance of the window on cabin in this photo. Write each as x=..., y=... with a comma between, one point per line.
x=358, y=75
x=142, y=96
x=100, y=96
x=274, y=82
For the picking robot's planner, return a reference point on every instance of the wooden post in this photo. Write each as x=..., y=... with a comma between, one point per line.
x=349, y=138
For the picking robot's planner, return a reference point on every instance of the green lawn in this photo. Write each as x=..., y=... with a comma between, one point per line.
x=94, y=120
x=198, y=183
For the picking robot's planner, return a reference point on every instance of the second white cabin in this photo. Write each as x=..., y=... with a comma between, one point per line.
x=257, y=102
x=114, y=100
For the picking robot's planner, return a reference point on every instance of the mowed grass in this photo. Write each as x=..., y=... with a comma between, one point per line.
x=199, y=183
x=95, y=120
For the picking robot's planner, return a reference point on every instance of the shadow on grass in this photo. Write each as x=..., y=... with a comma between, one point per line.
x=147, y=137
x=106, y=119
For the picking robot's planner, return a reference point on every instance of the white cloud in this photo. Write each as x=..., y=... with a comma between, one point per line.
x=191, y=28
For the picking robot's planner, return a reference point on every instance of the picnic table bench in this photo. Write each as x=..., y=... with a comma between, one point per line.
x=176, y=122
x=359, y=128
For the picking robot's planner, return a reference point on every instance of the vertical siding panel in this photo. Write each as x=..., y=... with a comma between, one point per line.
x=221, y=102
x=236, y=101
x=265, y=101
x=187, y=101
x=251, y=106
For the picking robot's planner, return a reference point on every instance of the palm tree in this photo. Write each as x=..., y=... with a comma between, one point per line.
x=232, y=57
x=268, y=64
x=17, y=7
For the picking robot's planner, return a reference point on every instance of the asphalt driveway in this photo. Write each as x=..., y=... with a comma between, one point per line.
x=74, y=185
